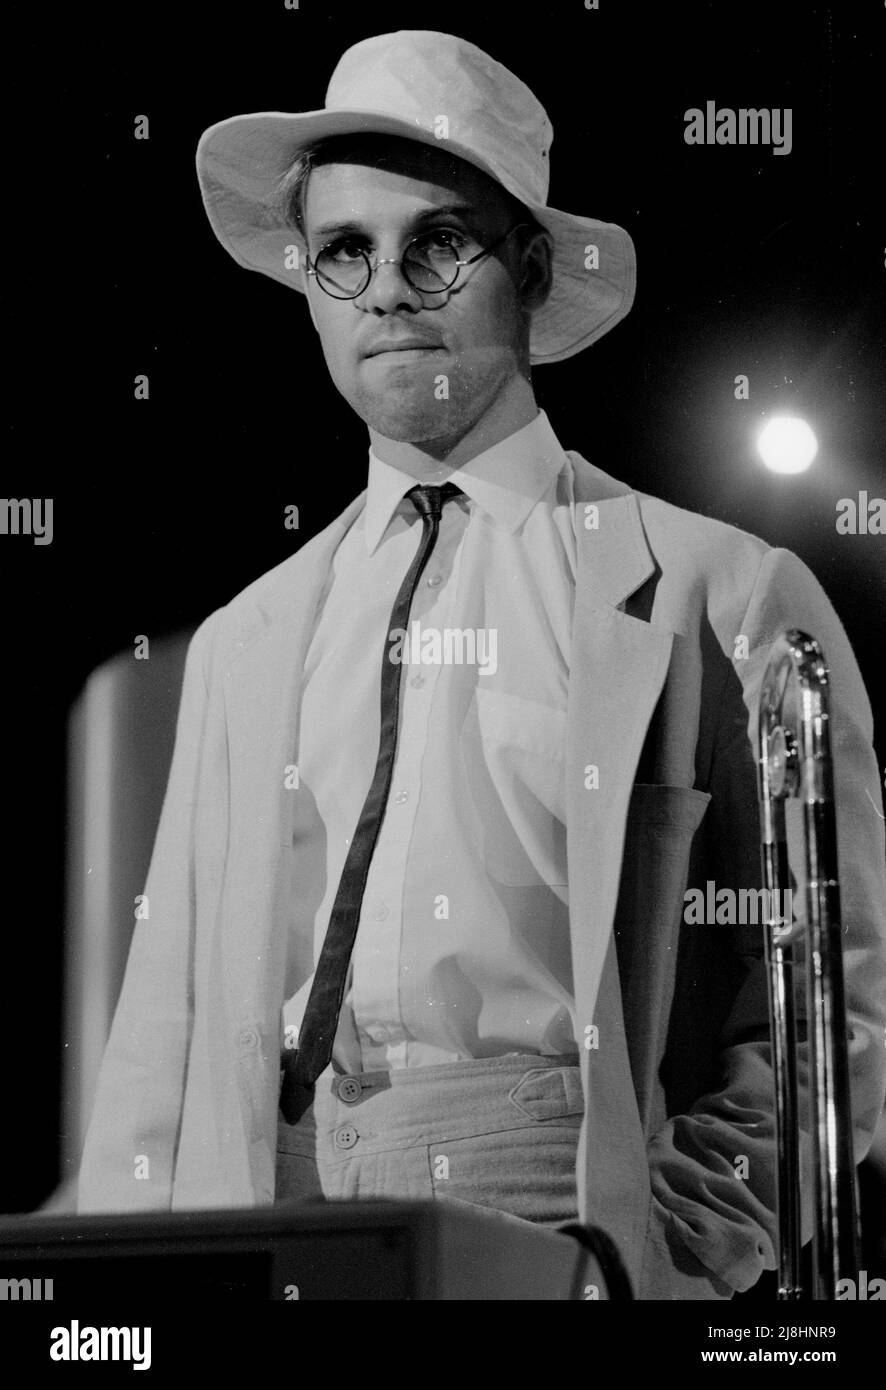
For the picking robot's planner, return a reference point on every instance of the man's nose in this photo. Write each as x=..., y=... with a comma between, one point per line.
x=388, y=289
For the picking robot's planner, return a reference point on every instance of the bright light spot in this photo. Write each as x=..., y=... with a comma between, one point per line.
x=787, y=445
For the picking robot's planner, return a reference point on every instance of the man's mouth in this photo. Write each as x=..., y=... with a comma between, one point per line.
x=403, y=346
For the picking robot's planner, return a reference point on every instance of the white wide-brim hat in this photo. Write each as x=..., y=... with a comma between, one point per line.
x=442, y=91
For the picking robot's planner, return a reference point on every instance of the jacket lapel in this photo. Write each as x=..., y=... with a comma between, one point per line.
x=617, y=672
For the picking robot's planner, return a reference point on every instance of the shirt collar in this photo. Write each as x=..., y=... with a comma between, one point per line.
x=506, y=480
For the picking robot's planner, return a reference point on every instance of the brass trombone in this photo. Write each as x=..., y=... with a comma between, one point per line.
x=799, y=764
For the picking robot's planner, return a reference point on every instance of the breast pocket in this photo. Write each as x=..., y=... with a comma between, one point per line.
x=514, y=768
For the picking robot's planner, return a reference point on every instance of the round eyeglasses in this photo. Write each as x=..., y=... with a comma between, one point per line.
x=344, y=270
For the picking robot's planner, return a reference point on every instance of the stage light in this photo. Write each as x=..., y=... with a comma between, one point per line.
x=787, y=444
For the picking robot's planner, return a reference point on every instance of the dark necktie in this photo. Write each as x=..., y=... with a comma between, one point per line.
x=320, y=1021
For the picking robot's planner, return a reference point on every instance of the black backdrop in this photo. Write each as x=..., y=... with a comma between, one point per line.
x=748, y=262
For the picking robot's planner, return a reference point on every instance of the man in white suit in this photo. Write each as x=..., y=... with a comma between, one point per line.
x=530, y=1020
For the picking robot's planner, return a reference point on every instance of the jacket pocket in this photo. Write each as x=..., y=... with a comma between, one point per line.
x=661, y=823
x=679, y=808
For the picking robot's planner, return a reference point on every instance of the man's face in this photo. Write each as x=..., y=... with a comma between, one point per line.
x=462, y=346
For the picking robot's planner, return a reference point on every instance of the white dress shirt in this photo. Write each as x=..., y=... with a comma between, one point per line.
x=462, y=950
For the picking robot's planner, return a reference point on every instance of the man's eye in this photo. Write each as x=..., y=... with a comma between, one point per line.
x=442, y=239
x=347, y=249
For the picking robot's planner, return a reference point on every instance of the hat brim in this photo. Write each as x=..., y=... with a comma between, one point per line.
x=240, y=162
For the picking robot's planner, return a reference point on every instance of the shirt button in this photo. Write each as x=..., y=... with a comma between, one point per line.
x=248, y=1037
x=401, y=797
x=345, y=1137
x=349, y=1089
x=434, y=580
x=417, y=681
x=379, y=912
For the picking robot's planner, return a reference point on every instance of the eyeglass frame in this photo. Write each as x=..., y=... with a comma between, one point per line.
x=388, y=260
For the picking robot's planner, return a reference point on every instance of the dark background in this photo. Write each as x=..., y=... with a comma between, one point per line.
x=748, y=262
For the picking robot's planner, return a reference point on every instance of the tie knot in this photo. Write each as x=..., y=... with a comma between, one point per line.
x=429, y=499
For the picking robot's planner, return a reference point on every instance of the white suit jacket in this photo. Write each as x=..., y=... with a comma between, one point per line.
x=676, y=1158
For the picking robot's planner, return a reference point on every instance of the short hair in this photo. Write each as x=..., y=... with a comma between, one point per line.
x=332, y=149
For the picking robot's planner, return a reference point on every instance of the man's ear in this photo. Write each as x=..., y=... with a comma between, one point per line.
x=537, y=270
